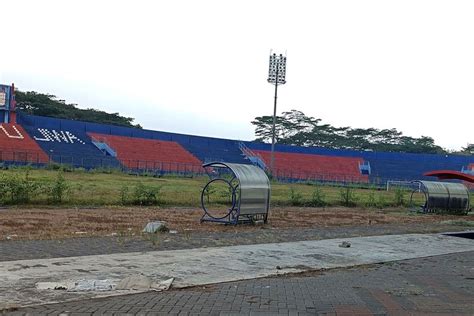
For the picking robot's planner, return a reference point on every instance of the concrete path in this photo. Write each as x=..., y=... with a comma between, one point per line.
x=439, y=285
x=214, y=265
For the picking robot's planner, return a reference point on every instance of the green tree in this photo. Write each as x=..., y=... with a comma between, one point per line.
x=48, y=105
x=295, y=128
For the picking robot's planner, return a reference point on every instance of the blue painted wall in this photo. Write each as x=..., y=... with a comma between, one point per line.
x=384, y=165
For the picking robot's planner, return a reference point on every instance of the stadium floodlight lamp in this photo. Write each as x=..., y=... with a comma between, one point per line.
x=277, y=69
x=276, y=76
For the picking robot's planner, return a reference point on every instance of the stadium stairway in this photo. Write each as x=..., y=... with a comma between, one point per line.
x=213, y=149
x=384, y=165
x=315, y=167
x=67, y=141
x=17, y=146
x=150, y=154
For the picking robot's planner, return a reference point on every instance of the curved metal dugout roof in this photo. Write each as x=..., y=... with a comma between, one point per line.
x=450, y=174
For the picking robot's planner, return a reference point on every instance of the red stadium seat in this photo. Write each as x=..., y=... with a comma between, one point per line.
x=315, y=167
x=150, y=154
x=17, y=146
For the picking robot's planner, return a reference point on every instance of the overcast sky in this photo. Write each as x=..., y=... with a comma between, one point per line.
x=200, y=67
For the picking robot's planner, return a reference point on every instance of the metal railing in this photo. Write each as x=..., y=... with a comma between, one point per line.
x=33, y=157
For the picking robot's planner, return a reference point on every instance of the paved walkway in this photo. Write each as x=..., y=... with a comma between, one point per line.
x=73, y=247
x=440, y=285
x=213, y=265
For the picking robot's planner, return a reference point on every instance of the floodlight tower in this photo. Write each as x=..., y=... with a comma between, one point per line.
x=276, y=76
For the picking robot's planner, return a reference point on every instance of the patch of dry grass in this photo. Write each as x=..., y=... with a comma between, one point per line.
x=31, y=223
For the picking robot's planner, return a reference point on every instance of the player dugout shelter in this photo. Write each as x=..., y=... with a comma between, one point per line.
x=249, y=187
x=444, y=196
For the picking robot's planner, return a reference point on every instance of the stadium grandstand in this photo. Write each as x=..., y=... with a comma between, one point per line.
x=41, y=140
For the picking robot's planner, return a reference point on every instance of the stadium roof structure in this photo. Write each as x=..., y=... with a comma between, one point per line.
x=450, y=174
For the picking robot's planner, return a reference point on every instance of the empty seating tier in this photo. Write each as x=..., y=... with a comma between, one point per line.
x=315, y=167
x=70, y=145
x=17, y=146
x=150, y=154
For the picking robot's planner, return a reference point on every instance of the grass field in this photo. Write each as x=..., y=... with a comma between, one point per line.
x=106, y=204
x=83, y=188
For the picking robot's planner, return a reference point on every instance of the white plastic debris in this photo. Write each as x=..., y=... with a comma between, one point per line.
x=93, y=285
x=134, y=282
x=142, y=282
x=157, y=226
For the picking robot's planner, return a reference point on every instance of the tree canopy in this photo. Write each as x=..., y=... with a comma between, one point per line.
x=48, y=105
x=296, y=128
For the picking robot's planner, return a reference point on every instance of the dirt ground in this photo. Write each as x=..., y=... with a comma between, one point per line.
x=21, y=224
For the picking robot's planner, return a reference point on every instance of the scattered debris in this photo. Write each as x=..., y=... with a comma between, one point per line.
x=92, y=285
x=345, y=244
x=157, y=226
x=134, y=282
x=55, y=285
x=77, y=286
x=142, y=282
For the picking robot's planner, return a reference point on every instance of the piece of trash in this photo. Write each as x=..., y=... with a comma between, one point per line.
x=142, y=282
x=278, y=267
x=92, y=285
x=80, y=233
x=10, y=237
x=135, y=282
x=345, y=244
x=173, y=231
x=55, y=285
x=82, y=285
x=153, y=227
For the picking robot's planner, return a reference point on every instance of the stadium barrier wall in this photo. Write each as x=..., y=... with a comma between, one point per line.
x=385, y=165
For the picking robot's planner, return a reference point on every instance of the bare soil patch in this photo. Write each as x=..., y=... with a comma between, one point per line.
x=16, y=223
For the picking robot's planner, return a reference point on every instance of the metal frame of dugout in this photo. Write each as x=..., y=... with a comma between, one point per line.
x=446, y=196
x=249, y=188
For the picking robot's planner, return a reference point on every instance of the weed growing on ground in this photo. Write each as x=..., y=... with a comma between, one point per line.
x=19, y=189
x=58, y=189
x=295, y=197
x=371, y=201
x=399, y=199
x=145, y=194
x=318, y=198
x=348, y=196
x=124, y=195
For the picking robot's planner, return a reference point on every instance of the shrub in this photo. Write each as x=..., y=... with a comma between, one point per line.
x=124, y=198
x=145, y=194
x=371, y=200
x=295, y=197
x=381, y=202
x=210, y=189
x=21, y=189
x=318, y=198
x=399, y=196
x=348, y=196
x=58, y=189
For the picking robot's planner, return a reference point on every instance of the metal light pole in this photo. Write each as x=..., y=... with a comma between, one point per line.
x=276, y=76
